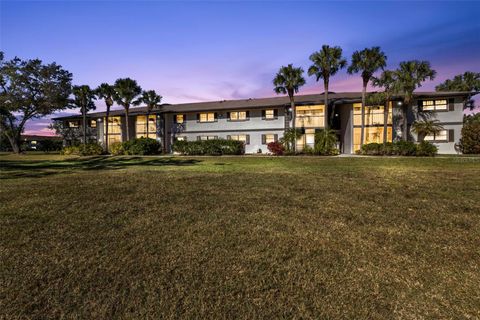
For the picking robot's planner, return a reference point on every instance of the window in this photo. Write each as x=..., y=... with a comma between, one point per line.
x=206, y=137
x=179, y=118
x=73, y=124
x=310, y=116
x=269, y=114
x=269, y=138
x=237, y=115
x=114, y=129
x=373, y=115
x=372, y=134
x=307, y=139
x=435, y=105
x=93, y=123
x=240, y=137
x=206, y=117
x=441, y=136
x=141, y=126
x=181, y=138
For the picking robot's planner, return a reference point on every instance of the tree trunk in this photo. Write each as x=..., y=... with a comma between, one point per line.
x=84, y=114
x=405, y=123
x=292, y=106
x=362, y=130
x=14, y=142
x=148, y=120
x=385, y=120
x=107, y=114
x=127, y=122
x=326, y=118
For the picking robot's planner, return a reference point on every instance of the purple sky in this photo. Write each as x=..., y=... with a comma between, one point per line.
x=199, y=51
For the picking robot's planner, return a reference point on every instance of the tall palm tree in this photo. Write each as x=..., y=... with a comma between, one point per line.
x=126, y=92
x=387, y=81
x=426, y=127
x=107, y=93
x=468, y=82
x=367, y=61
x=288, y=80
x=151, y=99
x=83, y=98
x=326, y=63
x=410, y=76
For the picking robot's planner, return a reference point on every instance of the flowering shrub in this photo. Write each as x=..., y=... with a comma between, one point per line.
x=276, y=148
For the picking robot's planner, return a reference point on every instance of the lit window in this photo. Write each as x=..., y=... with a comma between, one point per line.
x=141, y=126
x=270, y=114
x=73, y=124
x=310, y=116
x=373, y=115
x=372, y=134
x=93, y=123
x=207, y=117
x=434, y=105
x=114, y=129
x=269, y=138
x=207, y=137
x=179, y=118
x=239, y=137
x=238, y=115
x=441, y=136
x=182, y=138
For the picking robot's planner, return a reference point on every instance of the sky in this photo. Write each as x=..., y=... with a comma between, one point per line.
x=191, y=51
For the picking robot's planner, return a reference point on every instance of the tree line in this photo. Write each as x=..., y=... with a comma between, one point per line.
x=404, y=80
x=31, y=89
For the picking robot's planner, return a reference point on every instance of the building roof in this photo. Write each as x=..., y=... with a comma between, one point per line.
x=340, y=97
x=29, y=137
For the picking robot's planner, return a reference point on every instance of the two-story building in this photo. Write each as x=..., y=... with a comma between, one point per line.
x=257, y=122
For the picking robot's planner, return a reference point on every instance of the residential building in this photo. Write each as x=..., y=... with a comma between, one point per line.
x=257, y=122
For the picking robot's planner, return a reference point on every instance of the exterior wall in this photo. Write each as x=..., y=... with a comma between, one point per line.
x=255, y=126
x=450, y=120
x=346, y=127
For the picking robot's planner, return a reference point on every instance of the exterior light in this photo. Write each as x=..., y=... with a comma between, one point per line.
x=99, y=119
x=399, y=103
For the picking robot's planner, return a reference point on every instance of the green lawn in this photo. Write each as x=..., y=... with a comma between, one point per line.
x=233, y=237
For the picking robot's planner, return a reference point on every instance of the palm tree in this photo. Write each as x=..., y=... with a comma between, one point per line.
x=151, y=99
x=107, y=93
x=426, y=127
x=326, y=63
x=468, y=82
x=288, y=80
x=367, y=61
x=387, y=81
x=83, y=98
x=410, y=76
x=126, y=92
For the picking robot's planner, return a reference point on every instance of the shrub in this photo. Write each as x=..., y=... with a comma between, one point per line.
x=141, y=146
x=50, y=145
x=276, y=148
x=116, y=148
x=308, y=150
x=289, y=137
x=426, y=149
x=399, y=148
x=326, y=143
x=215, y=147
x=89, y=149
x=404, y=148
x=470, y=141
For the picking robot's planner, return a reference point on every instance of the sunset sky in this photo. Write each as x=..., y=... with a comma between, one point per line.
x=197, y=51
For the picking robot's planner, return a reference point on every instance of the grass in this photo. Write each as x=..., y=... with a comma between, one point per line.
x=232, y=237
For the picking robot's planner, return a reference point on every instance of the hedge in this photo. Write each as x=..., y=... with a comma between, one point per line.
x=399, y=148
x=214, y=147
x=89, y=149
x=139, y=146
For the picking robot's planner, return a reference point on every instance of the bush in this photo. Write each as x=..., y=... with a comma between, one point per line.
x=326, y=143
x=404, y=148
x=141, y=146
x=89, y=149
x=276, y=148
x=116, y=148
x=399, y=148
x=215, y=147
x=470, y=141
x=426, y=149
